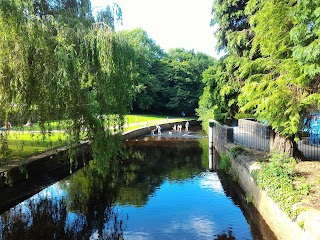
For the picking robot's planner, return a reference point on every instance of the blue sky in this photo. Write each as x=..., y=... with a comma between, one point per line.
x=171, y=23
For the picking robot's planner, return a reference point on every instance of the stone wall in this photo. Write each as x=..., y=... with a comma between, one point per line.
x=255, y=127
x=282, y=226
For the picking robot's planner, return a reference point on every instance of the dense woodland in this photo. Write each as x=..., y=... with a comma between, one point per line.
x=59, y=61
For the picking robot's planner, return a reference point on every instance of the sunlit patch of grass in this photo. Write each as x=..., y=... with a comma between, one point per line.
x=143, y=118
x=23, y=144
x=136, y=121
x=50, y=126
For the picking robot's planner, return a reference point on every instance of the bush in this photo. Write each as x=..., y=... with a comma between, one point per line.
x=276, y=177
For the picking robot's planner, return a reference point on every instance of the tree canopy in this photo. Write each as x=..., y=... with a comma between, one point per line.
x=165, y=82
x=280, y=86
x=271, y=62
x=57, y=63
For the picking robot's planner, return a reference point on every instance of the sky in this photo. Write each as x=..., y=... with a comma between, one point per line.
x=170, y=23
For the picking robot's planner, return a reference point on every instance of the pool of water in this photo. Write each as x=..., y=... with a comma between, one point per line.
x=158, y=187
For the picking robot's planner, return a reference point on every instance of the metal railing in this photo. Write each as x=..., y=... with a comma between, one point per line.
x=309, y=144
x=252, y=137
x=259, y=138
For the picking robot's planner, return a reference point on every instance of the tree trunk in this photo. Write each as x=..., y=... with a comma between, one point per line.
x=285, y=145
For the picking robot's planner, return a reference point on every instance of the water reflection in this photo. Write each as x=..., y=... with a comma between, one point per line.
x=47, y=217
x=141, y=190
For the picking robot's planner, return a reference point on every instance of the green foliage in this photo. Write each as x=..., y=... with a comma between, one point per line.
x=232, y=21
x=5, y=152
x=147, y=65
x=219, y=99
x=281, y=36
x=237, y=151
x=272, y=53
x=111, y=15
x=166, y=83
x=185, y=79
x=224, y=163
x=63, y=66
x=277, y=179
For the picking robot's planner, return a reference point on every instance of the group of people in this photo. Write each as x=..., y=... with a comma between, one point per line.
x=179, y=127
x=8, y=125
x=175, y=128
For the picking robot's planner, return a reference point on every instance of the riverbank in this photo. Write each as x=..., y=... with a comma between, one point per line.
x=46, y=168
x=307, y=223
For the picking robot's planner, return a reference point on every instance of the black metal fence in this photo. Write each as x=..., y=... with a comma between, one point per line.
x=256, y=137
x=309, y=144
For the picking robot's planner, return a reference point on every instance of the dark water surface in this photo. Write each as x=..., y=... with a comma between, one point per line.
x=156, y=188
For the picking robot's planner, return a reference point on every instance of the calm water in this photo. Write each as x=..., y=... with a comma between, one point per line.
x=154, y=189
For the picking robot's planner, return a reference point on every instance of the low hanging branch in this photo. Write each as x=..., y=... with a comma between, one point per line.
x=56, y=68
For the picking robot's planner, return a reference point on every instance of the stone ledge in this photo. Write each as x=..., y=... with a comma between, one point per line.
x=307, y=225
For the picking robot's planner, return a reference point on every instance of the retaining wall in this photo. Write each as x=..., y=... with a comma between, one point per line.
x=18, y=170
x=283, y=227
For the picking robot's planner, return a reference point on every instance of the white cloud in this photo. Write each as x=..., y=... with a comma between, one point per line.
x=212, y=182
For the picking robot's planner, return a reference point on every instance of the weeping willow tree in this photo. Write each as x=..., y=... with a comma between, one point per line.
x=63, y=68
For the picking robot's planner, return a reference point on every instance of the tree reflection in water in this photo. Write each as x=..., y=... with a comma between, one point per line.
x=77, y=208
x=48, y=218
x=82, y=206
x=225, y=236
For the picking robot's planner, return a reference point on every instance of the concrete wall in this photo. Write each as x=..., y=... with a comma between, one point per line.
x=282, y=226
x=255, y=127
x=18, y=170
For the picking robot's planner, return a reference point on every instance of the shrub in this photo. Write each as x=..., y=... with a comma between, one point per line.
x=276, y=177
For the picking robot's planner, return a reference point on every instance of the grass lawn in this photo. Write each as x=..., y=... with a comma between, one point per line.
x=24, y=144
x=27, y=141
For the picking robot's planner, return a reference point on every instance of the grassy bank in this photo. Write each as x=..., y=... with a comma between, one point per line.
x=26, y=141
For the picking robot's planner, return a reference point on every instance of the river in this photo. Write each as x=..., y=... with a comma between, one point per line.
x=156, y=187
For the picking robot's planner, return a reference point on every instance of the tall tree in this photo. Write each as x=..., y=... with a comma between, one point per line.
x=147, y=61
x=232, y=25
x=62, y=67
x=183, y=85
x=219, y=98
x=223, y=81
x=288, y=67
x=111, y=15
